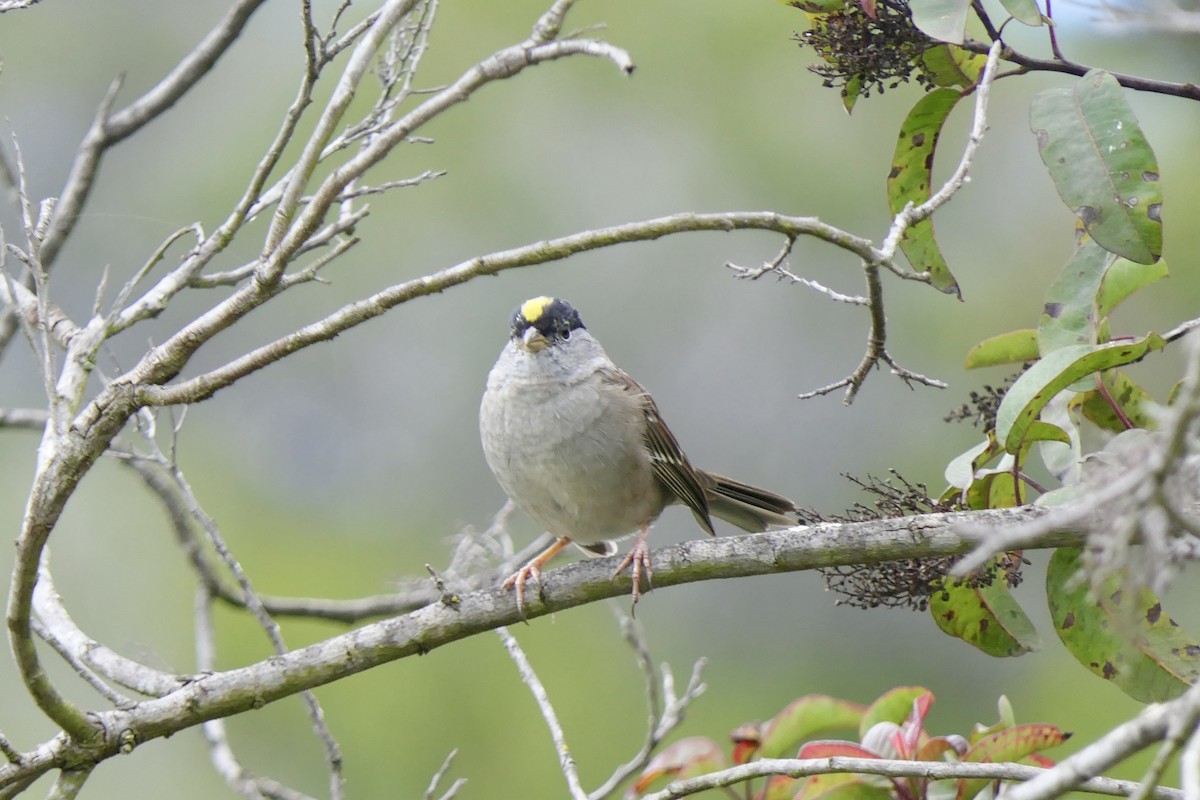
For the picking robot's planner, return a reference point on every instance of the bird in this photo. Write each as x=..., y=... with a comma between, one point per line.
x=580, y=447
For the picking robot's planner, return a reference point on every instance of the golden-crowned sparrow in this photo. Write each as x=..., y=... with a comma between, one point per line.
x=580, y=447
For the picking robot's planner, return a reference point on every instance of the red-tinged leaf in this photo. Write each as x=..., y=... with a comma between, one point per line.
x=893, y=706
x=843, y=787
x=805, y=717
x=828, y=748
x=746, y=740
x=913, y=728
x=1011, y=744
x=1040, y=760
x=868, y=7
x=935, y=748
x=695, y=755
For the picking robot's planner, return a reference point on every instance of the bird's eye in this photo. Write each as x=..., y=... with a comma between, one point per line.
x=564, y=333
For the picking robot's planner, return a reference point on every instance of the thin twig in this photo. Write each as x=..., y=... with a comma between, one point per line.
x=110, y=127
x=224, y=760
x=438, y=776
x=1188, y=91
x=665, y=709
x=565, y=760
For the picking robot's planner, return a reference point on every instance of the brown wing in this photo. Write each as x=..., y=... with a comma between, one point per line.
x=670, y=465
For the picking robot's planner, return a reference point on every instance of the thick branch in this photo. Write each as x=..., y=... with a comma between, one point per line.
x=235, y=691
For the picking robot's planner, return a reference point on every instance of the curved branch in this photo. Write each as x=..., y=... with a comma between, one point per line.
x=235, y=691
x=204, y=386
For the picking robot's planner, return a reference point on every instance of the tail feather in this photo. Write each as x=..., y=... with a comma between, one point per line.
x=748, y=507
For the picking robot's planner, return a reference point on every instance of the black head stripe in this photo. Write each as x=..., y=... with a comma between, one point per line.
x=553, y=317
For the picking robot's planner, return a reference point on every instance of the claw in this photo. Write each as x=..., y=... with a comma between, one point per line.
x=532, y=570
x=637, y=560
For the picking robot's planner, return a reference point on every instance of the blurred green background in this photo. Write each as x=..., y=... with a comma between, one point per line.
x=350, y=465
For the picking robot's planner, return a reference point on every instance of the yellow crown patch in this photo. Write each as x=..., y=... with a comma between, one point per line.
x=532, y=310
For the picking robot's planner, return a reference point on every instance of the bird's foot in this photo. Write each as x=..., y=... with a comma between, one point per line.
x=518, y=580
x=637, y=561
x=532, y=570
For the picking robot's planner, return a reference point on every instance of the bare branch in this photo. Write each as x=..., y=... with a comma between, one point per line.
x=565, y=760
x=436, y=780
x=109, y=128
x=1153, y=724
x=17, y=5
x=666, y=710
x=77, y=647
x=230, y=692
x=959, y=177
x=224, y=760
x=28, y=418
x=1188, y=91
x=933, y=770
x=204, y=386
x=70, y=783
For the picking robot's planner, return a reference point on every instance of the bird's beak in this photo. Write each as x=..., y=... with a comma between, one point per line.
x=532, y=340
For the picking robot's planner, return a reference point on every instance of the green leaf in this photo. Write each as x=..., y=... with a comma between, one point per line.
x=1011, y=744
x=1040, y=383
x=851, y=92
x=1124, y=637
x=960, y=472
x=1122, y=279
x=804, y=717
x=892, y=706
x=994, y=488
x=1069, y=314
x=1024, y=11
x=1133, y=401
x=944, y=20
x=909, y=181
x=950, y=65
x=1014, y=347
x=1040, y=431
x=987, y=617
x=1101, y=164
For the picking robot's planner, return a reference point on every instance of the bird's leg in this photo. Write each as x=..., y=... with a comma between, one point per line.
x=638, y=558
x=532, y=570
